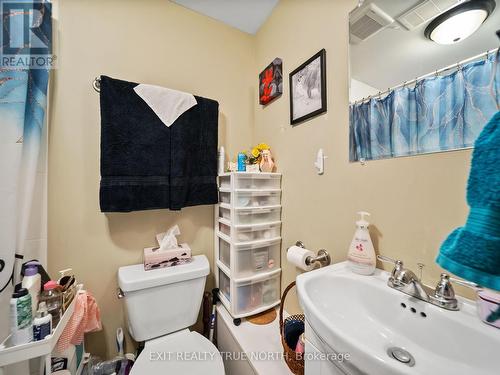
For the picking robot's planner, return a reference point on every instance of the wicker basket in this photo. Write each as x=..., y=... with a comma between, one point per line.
x=295, y=361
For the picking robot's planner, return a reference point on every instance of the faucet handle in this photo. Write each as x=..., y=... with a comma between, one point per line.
x=444, y=292
x=444, y=289
x=398, y=265
x=468, y=284
x=387, y=259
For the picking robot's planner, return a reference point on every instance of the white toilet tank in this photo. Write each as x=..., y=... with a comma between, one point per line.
x=164, y=300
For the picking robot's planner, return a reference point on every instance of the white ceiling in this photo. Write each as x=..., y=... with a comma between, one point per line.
x=397, y=55
x=245, y=15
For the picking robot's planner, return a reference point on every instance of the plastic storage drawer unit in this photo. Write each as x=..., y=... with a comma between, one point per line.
x=225, y=182
x=253, y=295
x=224, y=252
x=225, y=197
x=254, y=198
x=249, y=233
x=257, y=215
x=225, y=213
x=261, y=181
x=225, y=229
x=248, y=242
x=224, y=285
x=257, y=258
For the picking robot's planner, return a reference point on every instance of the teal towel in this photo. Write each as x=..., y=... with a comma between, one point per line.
x=473, y=251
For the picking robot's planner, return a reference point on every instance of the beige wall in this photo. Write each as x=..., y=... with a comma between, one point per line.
x=152, y=41
x=414, y=201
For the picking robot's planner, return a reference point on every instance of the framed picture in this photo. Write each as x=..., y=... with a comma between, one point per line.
x=308, y=89
x=271, y=82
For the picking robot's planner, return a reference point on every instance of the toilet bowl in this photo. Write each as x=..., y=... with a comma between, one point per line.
x=160, y=305
x=183, y=352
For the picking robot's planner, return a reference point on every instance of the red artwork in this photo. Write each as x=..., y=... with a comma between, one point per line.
x=271, y=82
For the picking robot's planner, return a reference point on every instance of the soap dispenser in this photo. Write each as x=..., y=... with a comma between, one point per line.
x=361, y=256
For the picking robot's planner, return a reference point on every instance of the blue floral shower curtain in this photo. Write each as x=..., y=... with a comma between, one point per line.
x=440, y=113
x=23, y=103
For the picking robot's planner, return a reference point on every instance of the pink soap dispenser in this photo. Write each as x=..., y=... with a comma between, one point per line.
x=361, y=256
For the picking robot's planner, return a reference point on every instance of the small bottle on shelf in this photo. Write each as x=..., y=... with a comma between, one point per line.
x=21, y=319
x=32, y=282
x=52, y=296
x=42, y=324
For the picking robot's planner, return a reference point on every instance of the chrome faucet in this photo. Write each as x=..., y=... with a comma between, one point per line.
x=405, y=280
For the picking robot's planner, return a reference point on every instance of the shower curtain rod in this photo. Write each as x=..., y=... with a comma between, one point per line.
x=437, y=72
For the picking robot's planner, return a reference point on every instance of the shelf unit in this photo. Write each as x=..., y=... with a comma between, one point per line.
x=10, y=354
x=248, y=242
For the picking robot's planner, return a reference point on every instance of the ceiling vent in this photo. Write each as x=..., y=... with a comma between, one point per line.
x=366, y=21
x=425, y=11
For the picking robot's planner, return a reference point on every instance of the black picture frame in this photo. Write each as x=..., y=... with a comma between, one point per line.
x=322, y=87
x=271, y=82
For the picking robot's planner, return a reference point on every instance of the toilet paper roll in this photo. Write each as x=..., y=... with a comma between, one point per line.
x=297, y=256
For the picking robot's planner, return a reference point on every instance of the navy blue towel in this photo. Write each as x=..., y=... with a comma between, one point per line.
x=146, y=165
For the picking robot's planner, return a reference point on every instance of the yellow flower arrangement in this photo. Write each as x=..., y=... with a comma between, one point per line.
x=263, y=146
x=255, y=154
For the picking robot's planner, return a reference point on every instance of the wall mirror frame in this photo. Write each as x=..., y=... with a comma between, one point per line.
x=410, y=94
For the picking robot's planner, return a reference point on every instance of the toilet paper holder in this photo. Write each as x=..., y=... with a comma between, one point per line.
x=323, y=258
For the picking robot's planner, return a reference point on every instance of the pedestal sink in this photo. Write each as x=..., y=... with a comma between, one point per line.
x=373, y=329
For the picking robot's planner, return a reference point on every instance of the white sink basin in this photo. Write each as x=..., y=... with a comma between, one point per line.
x=362, y=316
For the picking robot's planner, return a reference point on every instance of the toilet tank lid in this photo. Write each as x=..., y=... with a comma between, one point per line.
x=134, y=277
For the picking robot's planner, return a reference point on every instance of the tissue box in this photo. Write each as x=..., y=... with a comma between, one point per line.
x=155, y=258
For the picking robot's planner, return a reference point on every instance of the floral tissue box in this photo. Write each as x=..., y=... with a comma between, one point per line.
x=155, y=258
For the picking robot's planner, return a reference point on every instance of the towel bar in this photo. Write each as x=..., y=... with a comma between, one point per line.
x=96, y=84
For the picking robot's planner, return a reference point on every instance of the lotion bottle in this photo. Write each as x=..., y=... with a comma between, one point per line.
x=42, y=324
x=221, y=160
x=20, y=316
x=32, y=282
x=361, y=257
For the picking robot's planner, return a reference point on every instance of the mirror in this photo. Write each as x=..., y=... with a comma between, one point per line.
x=407, y=91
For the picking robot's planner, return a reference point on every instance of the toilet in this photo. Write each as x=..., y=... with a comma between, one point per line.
x=161, y=305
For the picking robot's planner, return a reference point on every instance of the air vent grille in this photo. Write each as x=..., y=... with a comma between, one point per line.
x=364, y=27
x=425, y=11
x=366, y=21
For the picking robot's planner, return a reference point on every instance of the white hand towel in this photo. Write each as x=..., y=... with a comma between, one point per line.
x=168, y=104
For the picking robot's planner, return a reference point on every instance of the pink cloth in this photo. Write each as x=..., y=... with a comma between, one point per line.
x=86, y=318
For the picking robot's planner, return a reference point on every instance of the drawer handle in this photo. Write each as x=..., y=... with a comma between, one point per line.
x=258, y=229
x=266, y=211
x=261, y=211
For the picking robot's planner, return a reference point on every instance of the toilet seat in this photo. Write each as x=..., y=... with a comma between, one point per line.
x=182, y=352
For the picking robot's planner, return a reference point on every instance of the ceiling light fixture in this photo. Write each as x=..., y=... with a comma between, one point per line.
x=459, y=22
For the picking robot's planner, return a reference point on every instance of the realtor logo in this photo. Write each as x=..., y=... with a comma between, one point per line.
x=26, y=35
